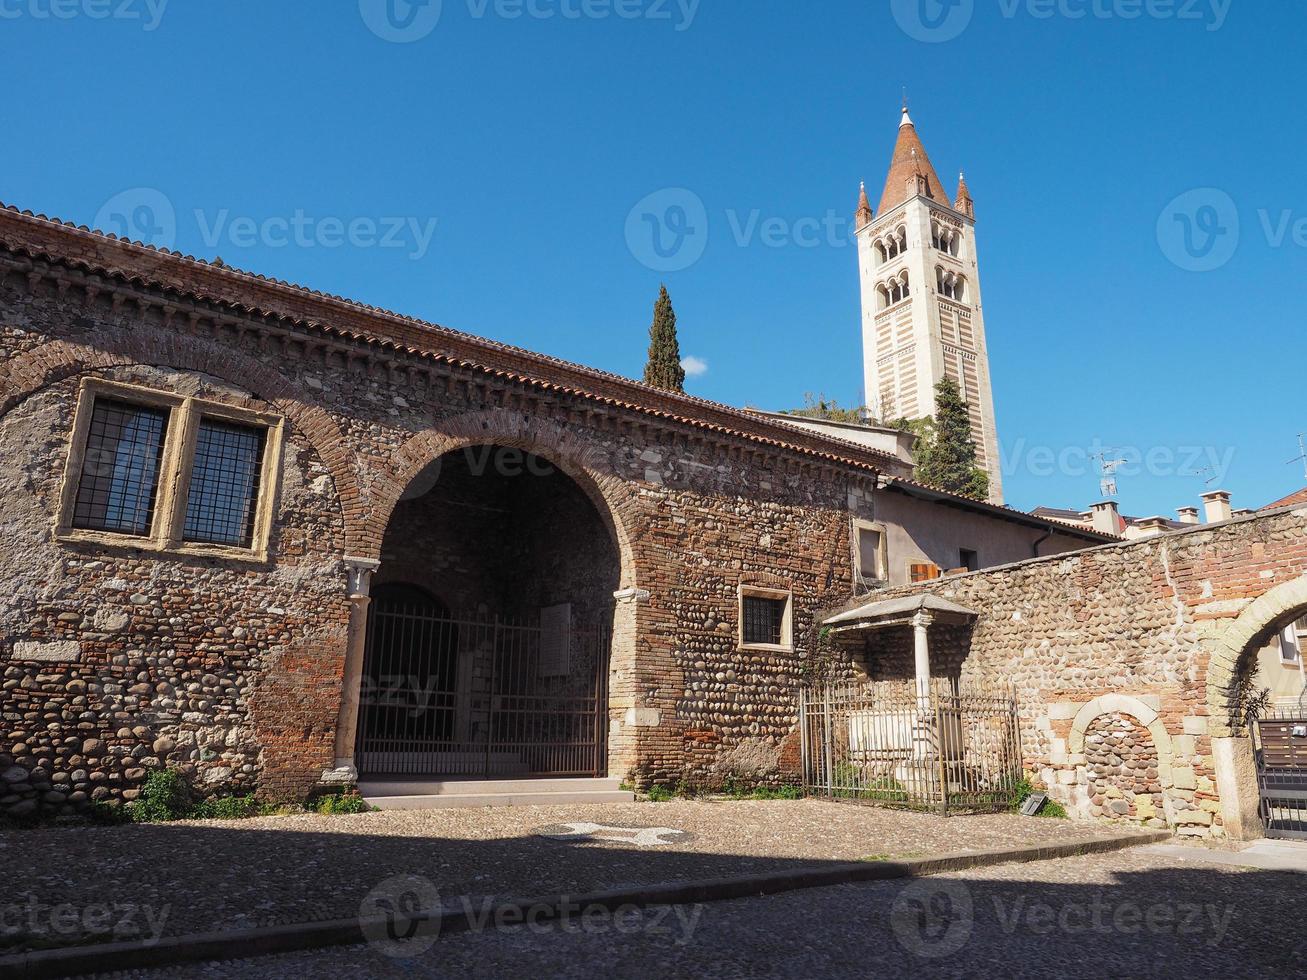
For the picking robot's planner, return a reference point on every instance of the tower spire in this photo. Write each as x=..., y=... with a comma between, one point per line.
x=910, y=171
x=864, y=212
x=964, y=203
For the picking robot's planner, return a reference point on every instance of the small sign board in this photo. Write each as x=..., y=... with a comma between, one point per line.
x=1033, y=802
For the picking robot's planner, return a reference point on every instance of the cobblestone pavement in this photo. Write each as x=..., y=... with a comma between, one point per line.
x=216, y=876
x=1125, y=914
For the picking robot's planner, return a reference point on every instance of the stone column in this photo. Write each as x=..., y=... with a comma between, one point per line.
x=358, y=573
x=920, y=627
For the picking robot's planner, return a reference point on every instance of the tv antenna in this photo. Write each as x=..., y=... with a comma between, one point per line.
x=1204, y=471
x=1107, y=468
x=1302, y=454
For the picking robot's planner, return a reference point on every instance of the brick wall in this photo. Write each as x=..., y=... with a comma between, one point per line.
x=1153, y=634
x=116, y=661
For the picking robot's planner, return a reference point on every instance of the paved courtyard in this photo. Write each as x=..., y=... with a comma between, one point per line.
x=1124, y=914
x=219, y=876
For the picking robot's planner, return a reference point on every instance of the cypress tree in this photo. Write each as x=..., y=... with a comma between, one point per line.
x=947, y=458
x=663, y=369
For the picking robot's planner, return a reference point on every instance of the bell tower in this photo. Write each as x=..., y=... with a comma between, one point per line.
x=922, y=317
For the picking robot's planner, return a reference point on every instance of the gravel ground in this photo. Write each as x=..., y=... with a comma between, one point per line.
x=1125, y=914
x=222, y=875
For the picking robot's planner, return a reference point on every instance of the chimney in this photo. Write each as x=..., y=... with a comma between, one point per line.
x=1188, y=515
x=1217, y=505
x=1107, y=519
x=1151, y=526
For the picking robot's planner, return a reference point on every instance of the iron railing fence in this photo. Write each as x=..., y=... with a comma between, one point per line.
x=1279, y=737
x=947, y=750
x=478, y=697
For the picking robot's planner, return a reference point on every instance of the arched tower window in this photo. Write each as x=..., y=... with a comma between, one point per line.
x=945, y=239
x=950, y=285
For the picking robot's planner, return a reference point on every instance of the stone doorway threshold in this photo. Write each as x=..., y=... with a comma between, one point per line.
x=438, y=794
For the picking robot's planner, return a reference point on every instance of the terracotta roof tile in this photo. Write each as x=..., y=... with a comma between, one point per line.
x=50, y=239
x=909, y=159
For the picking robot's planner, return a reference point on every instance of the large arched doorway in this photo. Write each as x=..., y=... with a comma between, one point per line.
x=489, y=633
x=1257, y=694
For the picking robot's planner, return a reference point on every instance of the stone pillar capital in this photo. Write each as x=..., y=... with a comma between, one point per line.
x=632, y=595
x=358, y=576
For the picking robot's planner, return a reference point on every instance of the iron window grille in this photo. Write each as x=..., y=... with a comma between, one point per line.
x=764, y=620
x=159, y=471
x=119, y=480
x=224, y=485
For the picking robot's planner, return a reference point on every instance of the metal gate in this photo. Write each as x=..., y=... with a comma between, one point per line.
x=888, y=743
x=480, y=698
x=1280, y=749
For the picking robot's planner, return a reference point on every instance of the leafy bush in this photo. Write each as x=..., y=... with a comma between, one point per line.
x=659, y=794
x=342, y=803
x=226, y=808
x=165, y=796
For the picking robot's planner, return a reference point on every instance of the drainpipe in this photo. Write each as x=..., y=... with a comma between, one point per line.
x=1038, y=541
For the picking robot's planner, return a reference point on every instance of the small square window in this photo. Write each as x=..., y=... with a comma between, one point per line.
x=224, y=487
x=764, y=620
x=119, y=479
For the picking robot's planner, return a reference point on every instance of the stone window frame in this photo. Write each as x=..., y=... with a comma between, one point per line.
x=881, y=573
x=787, y=619
x=185, y=413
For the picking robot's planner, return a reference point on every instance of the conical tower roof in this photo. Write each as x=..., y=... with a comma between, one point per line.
x=910, y=161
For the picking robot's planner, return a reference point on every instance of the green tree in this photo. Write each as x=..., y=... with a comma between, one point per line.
x=663, y=369
x=946, y=456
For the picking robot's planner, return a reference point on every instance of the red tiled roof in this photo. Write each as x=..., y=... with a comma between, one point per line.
x=1295, y=498
x=50, y=239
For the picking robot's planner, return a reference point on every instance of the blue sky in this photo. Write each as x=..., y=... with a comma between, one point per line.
x=478, y=169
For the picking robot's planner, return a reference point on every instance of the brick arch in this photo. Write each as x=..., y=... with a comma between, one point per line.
x=573, y=455
x=58, y=360
x=1136, y=709
x=1231, y=650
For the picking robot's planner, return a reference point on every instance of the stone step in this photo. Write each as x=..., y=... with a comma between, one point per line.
x=471, y=787
x=452, y=793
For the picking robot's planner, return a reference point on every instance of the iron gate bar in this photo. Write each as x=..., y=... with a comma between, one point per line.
x=881, y=742
x=1280, y=753
x=465, y=697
